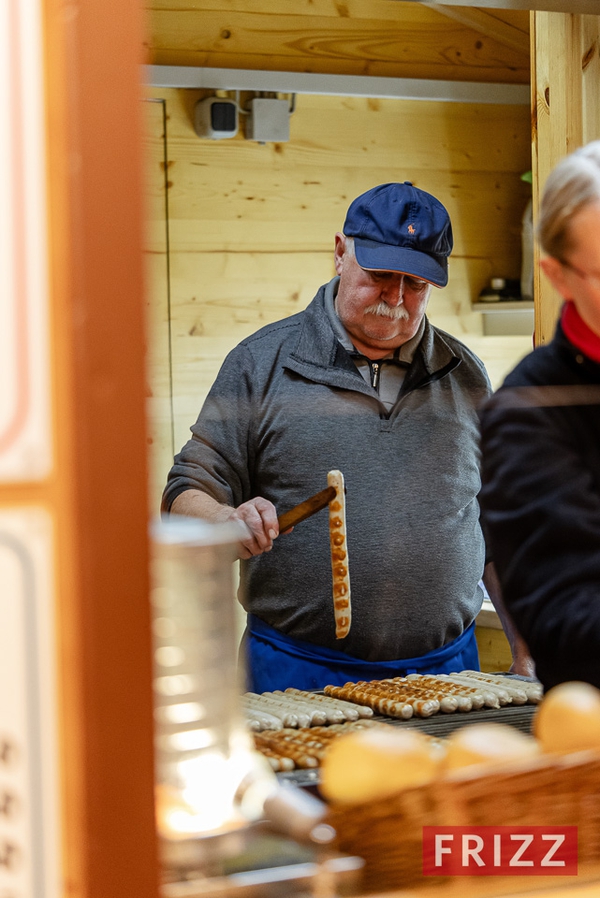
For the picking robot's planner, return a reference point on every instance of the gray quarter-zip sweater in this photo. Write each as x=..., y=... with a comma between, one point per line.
x=288, y=405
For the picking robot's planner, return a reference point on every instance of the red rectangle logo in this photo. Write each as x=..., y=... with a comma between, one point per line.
x=499, y=851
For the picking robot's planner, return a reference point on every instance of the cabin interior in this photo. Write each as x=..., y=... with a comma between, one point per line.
x=164, y=249
x=241, y=232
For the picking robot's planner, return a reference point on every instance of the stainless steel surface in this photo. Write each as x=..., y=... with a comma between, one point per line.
x=203, y=854
x=264, y=865
x=299, y=880
x=209, y=778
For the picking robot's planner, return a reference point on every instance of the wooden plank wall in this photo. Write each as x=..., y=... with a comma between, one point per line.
x=566, y=114
x=251, y=226
x=494, y=649
x=378, y=37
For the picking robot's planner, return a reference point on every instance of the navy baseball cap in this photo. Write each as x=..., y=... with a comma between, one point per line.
x=397, y=227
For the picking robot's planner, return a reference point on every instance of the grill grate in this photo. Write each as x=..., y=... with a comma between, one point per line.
x=440, y=726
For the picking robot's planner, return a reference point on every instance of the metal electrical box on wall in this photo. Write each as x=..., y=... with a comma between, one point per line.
x=268, y=120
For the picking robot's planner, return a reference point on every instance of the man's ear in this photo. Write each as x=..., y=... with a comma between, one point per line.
x=555, y=272
x=340, y=250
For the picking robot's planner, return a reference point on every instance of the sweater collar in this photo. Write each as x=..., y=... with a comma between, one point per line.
x=578, y=332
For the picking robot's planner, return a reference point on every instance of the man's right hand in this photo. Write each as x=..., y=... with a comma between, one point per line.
x=258, y=515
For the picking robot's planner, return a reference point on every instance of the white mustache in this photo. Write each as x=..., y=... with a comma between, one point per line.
x=397, y=313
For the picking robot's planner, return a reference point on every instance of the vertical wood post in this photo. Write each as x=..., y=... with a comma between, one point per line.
x=564, y=52
x=99, y=487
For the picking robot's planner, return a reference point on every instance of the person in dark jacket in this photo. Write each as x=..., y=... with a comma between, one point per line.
x=540, y=496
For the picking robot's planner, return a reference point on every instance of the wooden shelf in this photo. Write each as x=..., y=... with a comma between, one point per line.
x=518, y=305
x=506, y=319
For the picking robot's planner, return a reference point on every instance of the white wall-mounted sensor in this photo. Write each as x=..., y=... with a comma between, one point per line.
x=216, y=118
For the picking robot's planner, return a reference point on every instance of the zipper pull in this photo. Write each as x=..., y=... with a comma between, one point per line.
x=374, y=374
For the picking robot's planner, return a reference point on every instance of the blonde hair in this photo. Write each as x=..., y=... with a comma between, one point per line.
x=572, y=184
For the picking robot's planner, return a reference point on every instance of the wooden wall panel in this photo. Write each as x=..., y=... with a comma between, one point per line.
x=500, y=353
x=227, y=194
x=565, y=116
x=401, y=39
x=232, y=295
x=494, y=650
x=590, y=65
x=389, y=130
x=251, y=227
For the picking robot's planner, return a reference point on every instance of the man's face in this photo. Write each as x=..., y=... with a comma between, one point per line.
x=380, y=309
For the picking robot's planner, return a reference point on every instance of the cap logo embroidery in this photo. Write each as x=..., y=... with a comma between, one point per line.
x=411, y=229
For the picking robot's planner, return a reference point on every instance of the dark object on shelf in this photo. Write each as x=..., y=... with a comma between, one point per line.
x=501, y=290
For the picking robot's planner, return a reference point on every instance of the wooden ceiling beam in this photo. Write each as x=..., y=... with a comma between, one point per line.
x=487, y=24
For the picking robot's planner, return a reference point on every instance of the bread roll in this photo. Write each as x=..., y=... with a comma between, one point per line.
x=374, y=763
x=568, y=718
x=339, y=556
x=488, y=743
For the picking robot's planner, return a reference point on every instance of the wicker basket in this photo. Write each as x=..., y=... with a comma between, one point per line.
x=549, y=791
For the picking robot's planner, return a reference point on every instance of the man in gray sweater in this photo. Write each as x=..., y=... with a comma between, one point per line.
x=361, y=382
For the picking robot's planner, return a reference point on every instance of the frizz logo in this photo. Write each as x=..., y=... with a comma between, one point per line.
x=499, y=850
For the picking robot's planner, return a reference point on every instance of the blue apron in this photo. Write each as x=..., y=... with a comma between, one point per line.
x=276, y=661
